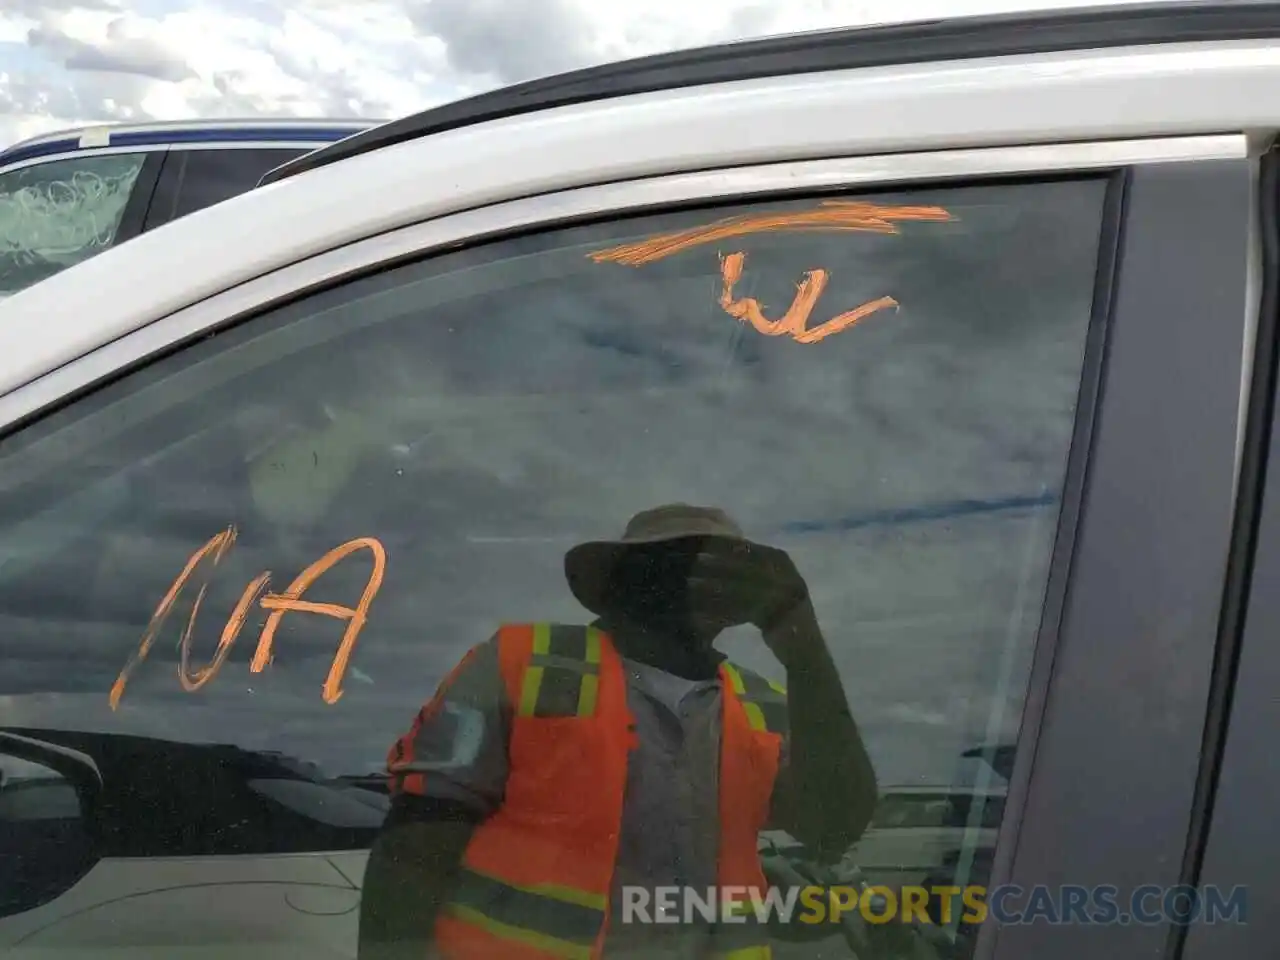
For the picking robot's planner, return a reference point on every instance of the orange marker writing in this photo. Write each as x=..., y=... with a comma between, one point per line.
x=827, y=216
x=794, y=322
x=278, y=604
x=290, y=600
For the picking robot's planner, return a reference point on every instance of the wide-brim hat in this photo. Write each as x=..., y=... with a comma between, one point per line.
x=589, y=566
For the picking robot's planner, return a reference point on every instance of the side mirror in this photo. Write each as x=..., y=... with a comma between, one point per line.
x=49, y=796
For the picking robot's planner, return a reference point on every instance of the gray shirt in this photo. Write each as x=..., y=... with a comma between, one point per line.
x=670, y=820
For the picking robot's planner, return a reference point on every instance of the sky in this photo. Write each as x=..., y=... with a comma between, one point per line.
x=70, y=62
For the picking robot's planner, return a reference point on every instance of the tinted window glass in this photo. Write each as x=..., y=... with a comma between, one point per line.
x=879, y=392
x=193, y=179
x=55, y=214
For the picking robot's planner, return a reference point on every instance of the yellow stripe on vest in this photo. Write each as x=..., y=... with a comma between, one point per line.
x=763, y=701
x=755, y=716
x=539, y=941
x=589, y=692
x=552, y=891
x=562, y=678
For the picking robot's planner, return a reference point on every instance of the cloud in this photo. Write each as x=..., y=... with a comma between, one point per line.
x=124, y=49
x=492, y=37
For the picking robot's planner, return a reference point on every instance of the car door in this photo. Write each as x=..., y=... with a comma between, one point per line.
x=195, y=177
x=960, y=396
x=56, y=211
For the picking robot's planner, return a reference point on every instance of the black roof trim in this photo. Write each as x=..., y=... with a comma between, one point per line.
x=958, y=38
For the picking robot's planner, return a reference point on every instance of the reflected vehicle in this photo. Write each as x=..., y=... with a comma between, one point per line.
x=110, y=836
x=142, y=828
x=920, y=836
x=917, y=831
x=48, y=799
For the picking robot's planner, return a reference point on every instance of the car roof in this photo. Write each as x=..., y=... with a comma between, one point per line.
x=1209, y=87
x=922, y=41
x=184, y=132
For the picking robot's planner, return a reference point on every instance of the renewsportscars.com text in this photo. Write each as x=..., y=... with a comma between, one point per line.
x=1007, y=905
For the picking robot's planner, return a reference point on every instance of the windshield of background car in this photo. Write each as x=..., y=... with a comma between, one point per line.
x=55, y=214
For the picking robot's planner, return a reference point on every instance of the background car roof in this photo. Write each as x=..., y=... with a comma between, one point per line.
x=178, y=132
x=1172, y=89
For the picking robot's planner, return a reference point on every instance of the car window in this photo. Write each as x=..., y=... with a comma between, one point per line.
x=194, y=179
x=267, y=551
x=55, y=214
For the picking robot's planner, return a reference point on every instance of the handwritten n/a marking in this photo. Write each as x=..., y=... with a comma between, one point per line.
x=278, y=604
x=191, y=682
x=216, y=546
x=829, y=215
x=291, y=600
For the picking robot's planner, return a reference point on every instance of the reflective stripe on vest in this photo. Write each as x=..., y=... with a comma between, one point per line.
x=557, y=920
x=764, y=701
x=537, y=874
x=563, y=675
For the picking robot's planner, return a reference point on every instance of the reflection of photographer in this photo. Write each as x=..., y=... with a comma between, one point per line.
x=618, y=758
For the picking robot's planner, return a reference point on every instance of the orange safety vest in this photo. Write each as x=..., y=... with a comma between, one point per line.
x=536, y=876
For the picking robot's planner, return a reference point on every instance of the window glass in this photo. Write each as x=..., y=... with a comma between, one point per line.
x=193, y=179
x=55, y=214
x=255, y=576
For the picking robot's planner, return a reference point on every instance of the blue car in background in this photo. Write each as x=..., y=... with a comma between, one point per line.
x=68, y=195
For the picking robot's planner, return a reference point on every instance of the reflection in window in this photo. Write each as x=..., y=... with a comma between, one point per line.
x=44, y=837
x=55, y=214
x=47, y=799
x=481, y=412
x=322, y=803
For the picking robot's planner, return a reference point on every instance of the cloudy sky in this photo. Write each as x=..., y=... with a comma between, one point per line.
x=65, y=62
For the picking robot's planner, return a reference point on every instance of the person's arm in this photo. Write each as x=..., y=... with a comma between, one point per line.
x=826, y=790
x=410, y=874
x=448, y=774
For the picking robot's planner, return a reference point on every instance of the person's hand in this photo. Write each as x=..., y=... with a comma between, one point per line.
x=747, y=583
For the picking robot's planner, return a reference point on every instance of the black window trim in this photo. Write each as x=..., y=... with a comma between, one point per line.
x=144, y=188
x=1238, y=777
x=1107, y=795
